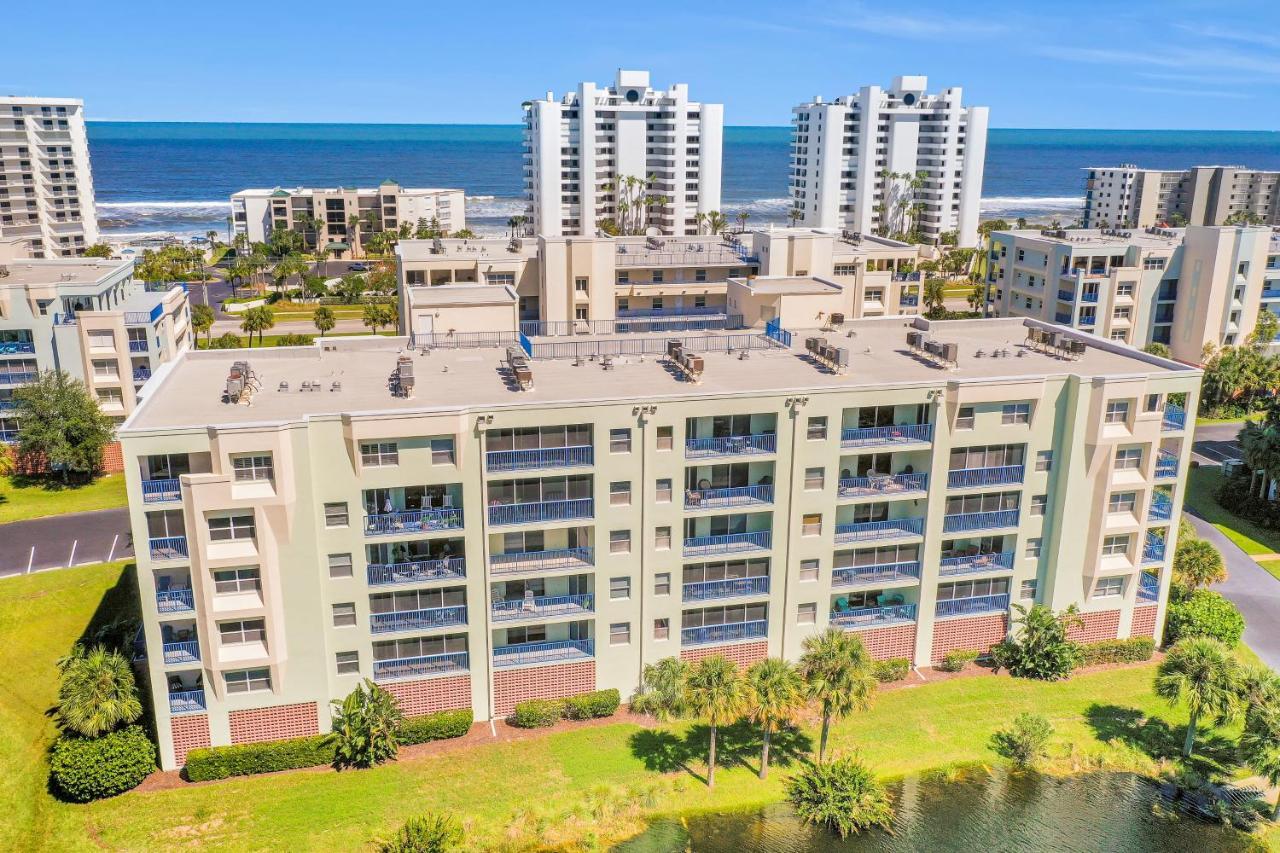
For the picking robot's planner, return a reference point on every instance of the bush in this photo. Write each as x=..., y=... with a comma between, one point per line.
x=1024, y=740
x=85, y=769
x=1040, y=649
x=439, y=726
x=225, y=341
x=221, y=762
x=293, y=340
x=955, y=660
x=893, y=669
x=536, y=713
x=844, y=796
x=429, y=833
x=1204, y=614
x=366, y=726
x=589, y=706
x=1131, y=650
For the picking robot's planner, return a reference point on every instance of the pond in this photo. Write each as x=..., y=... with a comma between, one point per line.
x=979, y=811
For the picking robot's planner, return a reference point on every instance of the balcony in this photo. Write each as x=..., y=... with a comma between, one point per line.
x=1161, y=508
x=728, y=543
x=16, y=347
x=1269, y=293
x=970, y=478
x=17, y=377
x=973, y=606
x=867, y=531
x=728, y=588
x=729, y=633
x=737, y=496
x=975, y=563
x=1066, y=295
x=542, y=607
x=556, y=651
x=1063, y=317
x=412, y=521
x=577, y=456
x=730, y=445
x=186, y=701
x=543, y=511
x=966, y=521
x=175, y=600
x=1175, y=418
x=874, y=617
x=184, y=651
x=879, y=573
x=1089, y=296
x=883, y=485
x=1166, y=465
x=1153, y=550
x=887, y=435
x=418, y=620
x=141, y=374
x=418, y=571
x=161, y=491
x=1148, y=588
x=138, y=346
x=517, y=562
x=169, y=548
x=418, y=667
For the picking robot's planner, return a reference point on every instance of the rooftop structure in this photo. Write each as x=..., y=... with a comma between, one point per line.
x=1129, y=197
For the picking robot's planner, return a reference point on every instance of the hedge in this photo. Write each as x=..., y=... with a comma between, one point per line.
x=85, y=769
x=954, y=661
x=1131, y=650
x=893, y=669
x=536, y=713
x=1204, y=614
x=439, y=726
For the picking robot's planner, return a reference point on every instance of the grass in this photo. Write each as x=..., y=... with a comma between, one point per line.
x=1202, y=488
x=274, y=340
x=589, y=784
x=23, y=498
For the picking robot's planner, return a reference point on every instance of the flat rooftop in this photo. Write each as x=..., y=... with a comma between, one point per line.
x=461, y=294
x=188, y=393
x=1108, y=239
x=789, y=285
x=480, y=249
x=60, y=271
x=263, y=192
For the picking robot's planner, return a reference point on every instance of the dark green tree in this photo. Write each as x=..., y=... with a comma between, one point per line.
x=61, y=423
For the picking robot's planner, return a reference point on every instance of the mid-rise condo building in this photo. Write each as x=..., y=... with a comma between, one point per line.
x=1130, y=197
x=890, y=161
x=46, y=185
x=472, y=527
x=585, y=152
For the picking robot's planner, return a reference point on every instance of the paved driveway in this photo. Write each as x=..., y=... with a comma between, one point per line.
x=1251, y=589
x=65, y=540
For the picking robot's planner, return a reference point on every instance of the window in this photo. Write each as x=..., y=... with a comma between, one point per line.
x=344, y=615
x=808, y=570
x=251, y=468
x=230, y=581
x=807, y=613
x=964, y=418
x=662, y=491
x=811, y=524
x=1122, y=502
x=335, y=515
x=339, y=565
x=817, y=428
x=1028, y=589
x=813, y=478
x=1128, y=458
x=348, y=663
x=231, y=528
x=1033, y=547
x=105, y=369
x=1151, y=403
x=1044, y=460
x=248, y=681
x=666, y=438
x=620, y=633
x=1115, y=546
x=1015, y=413
x=662, y=583
x=581, y=313
x=379, y=453
x=1117, y=412
x=659, y=276
x=242, y=632
x=620, y=493
x=442, y=451
x=619, y=588
x=699, y=275
x=1108, y=587
x=661, y=628
x=1038, y=504
x=619, y=541
x=619, y=441
x=662, y=539
x=581, y=285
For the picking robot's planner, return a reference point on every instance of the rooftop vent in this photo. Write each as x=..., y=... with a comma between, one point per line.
x=402, y=381
x=1057, y=344
x=241, y=383
x=519, y=364
x=941, y=354
x=836, y=358
x=686, y=362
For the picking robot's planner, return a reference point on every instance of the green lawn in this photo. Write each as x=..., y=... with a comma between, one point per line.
x=273, y=340
x=22, y=498
x=1202, y=488
x=583, y=784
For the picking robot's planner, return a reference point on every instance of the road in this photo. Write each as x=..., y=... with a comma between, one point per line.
x=63, y=540
x=1251, y=589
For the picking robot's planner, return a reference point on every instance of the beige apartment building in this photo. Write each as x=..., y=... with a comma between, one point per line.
x=471, y=527
x=1183, y=287
x=1129, y=197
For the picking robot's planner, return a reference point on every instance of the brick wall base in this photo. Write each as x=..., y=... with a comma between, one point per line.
x=541, y=682
x=898, y=641
x=431, y=694
x=1144, y=621
x=743, y=654
x=979, y=632
x=35, y=464
x=278, y=723
x=1104, y=625
x=190, y=731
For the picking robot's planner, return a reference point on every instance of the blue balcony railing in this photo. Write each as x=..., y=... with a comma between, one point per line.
x=168, y=548
x=882, y=485
x=547, y=457
x=728, y=543
x=874, y=617
x=521, y=654
x=1161, y=507
x=1089, y=296
x=141, y=374
x=1269, y=293
x=1062, y=317
x=907, y=276
x=730, y=445
x=417, y=667
x=1148, y=588
x=1066, y=295
x=729, y=633
x=138, y=346
x=159, y=491
x=184, y=651
x=186, y=701
x=875, y=574
x=885, y=435
x=17, y=377
x=1166, y=464
x=973, y=606
x=412, y=521
x=1153, y=550
x=1175, y=417
x=543, y=606
x=727, y=588
x=963, y=521
x=736, y=496
x=1088, y=319
x=893, y=528
x=418, y=620
x=968, y=478
x=909, y=300
x=976, y=563
x=533, y=561
x=16, y=347
x=416, y=571
x=533, y=513
x=175, y=600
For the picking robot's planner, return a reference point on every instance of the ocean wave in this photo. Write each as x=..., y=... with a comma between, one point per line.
x=764, y=206
x=494, y=207
x=1032, y=204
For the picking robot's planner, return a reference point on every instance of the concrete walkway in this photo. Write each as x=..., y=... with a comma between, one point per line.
x=1252, y=589
x=65, y=540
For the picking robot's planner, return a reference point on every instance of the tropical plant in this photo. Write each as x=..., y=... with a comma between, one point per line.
x=1197, y=564
x=1039, y=647
x=351, y=287
x=202, y=320
x=843, y=796
x=286, y=267
x=1201, y=673
x=1260, y=447
x=1260, y=746
x=838, y=674
x=1157, y=349
x=377, y=315
x=935, y=294
x=227, y=340
x=715, y=692
x=98, y=250
x=428, y=833
x=323, y=319
x=775, y=695
x=366, y=726
x=742, y=216
x=716, y=222
x=61, y=423
x=97, y=693
x=662, y=690
x=1204, y=613
x=258, y=319
x=1024, y=739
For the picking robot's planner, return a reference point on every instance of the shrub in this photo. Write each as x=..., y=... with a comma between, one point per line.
x=294, y=340
x=1040, y=649
x=226, y=340
x=536, y=713
x=893, y=669
x=428, y=833
x=589, y=706
x=85, y=769
x=221, y=762
x=366, y=726
x=1131, y=650
x=1204, y=614
x=441, y=725
x=1024, y=740
x=955, y=660
x=844, y=796
x=662, y=693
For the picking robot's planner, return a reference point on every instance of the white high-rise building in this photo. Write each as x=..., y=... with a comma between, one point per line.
x=46, y=186
x=890, y=161
x=578, y=148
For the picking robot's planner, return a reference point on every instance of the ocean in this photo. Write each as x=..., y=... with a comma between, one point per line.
x=156, y=178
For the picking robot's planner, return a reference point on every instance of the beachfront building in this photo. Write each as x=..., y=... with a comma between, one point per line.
x=472, y=527
x=890, y=161
x=569, y=285
x=46, y=185
x=89, y=318
x=581, y=149
x=1129, y=197
x=1182, y=287
x=337, y=219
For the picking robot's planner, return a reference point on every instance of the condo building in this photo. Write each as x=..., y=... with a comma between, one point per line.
x=1182, y=287
x=890, y=161
x=472, y=526
x=46, y=185
x=1129, y=197
x=336, y=220
x=579, y=147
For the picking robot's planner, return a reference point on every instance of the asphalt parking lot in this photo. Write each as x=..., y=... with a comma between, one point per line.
x=1217, y=452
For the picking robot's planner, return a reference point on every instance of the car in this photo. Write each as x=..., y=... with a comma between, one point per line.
x=357, y=267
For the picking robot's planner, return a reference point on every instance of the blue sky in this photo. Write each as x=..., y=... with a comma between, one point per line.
x=1135, y=64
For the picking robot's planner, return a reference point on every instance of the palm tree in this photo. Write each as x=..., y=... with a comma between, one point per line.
x=716, y=222
x=794, y=215
x=837, y=673
x=699, y=219
x=1197, y=563
x=323, y=319
x=742, y=217
x=377, y=315
x=289, y=265
x=663, y=692
x=353, y=233
x=935, y=293
x=716, y=692
x=258, y=320
x=212, y=237
x=775, y=694
x=1260, y=746
x=97, y=692
x=1201, y=672
x=202, y=321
